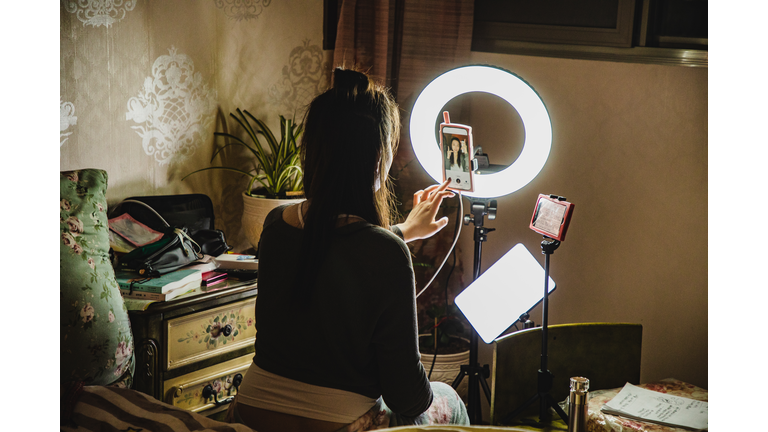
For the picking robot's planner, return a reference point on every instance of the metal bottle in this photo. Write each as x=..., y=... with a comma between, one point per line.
x=577, y=405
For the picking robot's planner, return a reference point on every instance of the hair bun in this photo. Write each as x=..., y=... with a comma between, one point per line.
x=350, y=82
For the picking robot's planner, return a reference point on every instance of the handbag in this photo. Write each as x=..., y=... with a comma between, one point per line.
x=191, y=211
x=175, y=249
x=211, y=241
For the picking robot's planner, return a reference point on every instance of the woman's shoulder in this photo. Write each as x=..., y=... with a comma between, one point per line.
x=384, y=241
x=275, y=214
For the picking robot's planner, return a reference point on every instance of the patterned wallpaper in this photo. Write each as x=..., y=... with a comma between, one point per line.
x=144, y=84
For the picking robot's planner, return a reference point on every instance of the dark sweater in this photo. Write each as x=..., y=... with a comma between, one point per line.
x=358, y=331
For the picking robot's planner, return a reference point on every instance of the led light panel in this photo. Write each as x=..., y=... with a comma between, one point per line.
x=511, y=287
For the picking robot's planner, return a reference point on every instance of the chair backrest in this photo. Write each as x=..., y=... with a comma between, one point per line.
x=608, y=354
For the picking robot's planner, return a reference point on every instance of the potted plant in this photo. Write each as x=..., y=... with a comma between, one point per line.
x=444, y=345
x=277, y=171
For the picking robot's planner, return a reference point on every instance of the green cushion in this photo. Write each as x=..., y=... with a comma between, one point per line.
x=96, y=338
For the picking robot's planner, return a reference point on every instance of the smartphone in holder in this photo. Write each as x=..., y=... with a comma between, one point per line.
x=552, y=216
x=456, y=147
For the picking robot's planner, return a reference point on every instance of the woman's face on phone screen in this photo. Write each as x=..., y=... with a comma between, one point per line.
x=455, y=145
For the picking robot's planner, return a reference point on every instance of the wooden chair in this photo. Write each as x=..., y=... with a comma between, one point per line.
x=607, y=354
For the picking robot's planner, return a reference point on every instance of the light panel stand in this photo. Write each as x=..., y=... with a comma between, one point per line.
x=544, y=383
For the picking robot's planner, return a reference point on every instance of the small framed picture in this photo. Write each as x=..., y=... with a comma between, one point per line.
x=551, y=216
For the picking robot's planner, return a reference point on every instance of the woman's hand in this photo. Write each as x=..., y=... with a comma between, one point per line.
x=421, y=223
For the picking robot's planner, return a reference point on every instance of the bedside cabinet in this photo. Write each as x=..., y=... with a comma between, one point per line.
x=191, y=352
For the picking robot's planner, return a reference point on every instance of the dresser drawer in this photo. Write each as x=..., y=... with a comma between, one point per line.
x=210, y=333
x=186, y=391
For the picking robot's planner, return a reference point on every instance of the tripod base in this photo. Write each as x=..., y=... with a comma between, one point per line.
x=545, y=402
x=477, y=376
x=481, y=373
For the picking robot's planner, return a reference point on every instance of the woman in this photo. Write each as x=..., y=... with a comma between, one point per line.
x=337, y=344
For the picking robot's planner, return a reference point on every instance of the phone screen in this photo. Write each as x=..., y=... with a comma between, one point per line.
x=456, y=144
x=549, y=217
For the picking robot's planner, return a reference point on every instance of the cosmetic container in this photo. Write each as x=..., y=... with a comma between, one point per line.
x=577, y=405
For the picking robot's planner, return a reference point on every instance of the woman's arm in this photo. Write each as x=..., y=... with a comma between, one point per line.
x=404, y=384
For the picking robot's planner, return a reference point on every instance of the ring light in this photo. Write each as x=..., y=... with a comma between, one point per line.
x=488, y=79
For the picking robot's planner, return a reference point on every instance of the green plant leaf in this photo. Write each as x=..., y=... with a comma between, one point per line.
x=444, y=339
x=260, y=153
x=267, y=133
x=221, y=168
x=237, y=142
x=276, y=170
x=230, y=136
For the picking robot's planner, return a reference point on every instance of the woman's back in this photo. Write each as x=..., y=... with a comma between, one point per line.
x=356, y=330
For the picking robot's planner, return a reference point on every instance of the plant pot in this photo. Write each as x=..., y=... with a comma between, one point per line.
x=447, y=368
x=255, y=210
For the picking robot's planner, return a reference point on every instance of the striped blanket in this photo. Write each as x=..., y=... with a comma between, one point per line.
x=97, y=408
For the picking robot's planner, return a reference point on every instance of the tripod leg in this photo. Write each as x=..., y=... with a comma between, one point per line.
x=557, y=409
x=515, y=413
x=458, y=378
x=486, y=389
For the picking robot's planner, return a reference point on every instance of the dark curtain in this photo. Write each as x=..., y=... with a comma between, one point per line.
x=405, y=44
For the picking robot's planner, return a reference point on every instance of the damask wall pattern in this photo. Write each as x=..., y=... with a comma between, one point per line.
x=68, y=119
x=306, y=75
x=99, y=12
x=174, y=108
x=144, y=84
x=239, y=10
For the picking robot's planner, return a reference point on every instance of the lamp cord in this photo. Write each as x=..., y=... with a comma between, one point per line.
x=456, y=229
x=456, y=238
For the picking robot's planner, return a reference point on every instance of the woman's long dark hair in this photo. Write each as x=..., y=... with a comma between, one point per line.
x=350, y=135
x=460, y=154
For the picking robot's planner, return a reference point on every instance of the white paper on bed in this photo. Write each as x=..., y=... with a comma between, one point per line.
x=511, y=287
x=666, y=409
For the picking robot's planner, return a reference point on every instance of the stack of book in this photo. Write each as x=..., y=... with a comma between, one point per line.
x=233, y=261
x=162, y=288
x=238, y=266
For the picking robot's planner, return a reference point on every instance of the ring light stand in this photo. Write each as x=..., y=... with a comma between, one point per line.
x=476, y=374
x=538, y=142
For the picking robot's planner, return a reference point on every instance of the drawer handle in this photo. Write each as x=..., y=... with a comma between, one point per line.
x=227, y=330
x=208, y=391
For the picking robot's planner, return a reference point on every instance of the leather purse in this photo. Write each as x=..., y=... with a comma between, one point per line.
x=174, y=250
x=179, y=246
x=191, y=211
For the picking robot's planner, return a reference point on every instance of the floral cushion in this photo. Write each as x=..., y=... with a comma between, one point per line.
x=96, y=338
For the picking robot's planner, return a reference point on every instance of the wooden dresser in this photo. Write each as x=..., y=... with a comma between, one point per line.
x=197, y=340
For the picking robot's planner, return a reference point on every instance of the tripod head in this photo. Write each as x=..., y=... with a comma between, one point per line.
x=479, y=209
x=548, y=245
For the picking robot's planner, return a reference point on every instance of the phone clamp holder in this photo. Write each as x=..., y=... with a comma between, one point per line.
x=480, y=160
